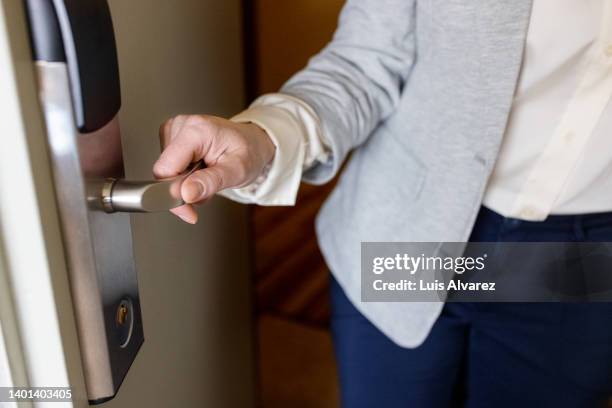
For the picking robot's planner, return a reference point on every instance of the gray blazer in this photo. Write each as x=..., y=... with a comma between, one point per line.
x=421, y=89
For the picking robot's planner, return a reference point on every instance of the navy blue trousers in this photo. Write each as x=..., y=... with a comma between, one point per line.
x=489, y=355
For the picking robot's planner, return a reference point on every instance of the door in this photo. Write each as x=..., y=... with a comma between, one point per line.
x=174, y=57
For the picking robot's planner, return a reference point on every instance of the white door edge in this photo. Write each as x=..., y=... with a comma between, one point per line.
x=37, y=305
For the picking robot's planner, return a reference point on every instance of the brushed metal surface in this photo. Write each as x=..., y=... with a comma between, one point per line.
x=99, y=245
x=142, y=196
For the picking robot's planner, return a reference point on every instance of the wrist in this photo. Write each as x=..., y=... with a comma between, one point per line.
x=267, y=148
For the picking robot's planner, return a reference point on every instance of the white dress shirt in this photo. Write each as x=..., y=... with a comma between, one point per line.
x=556, y=155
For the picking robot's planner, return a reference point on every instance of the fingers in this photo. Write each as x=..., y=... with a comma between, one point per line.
x=182, y=145
x=164, y=134
x=186, y=213
x=169, y=129
x=203, y=184
x=174, y=159
x=235, y=154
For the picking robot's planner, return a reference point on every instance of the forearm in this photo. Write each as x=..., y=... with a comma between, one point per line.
x=356, y=81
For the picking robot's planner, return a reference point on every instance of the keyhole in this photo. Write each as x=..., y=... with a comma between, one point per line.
x=124, y=321
x=122, y=314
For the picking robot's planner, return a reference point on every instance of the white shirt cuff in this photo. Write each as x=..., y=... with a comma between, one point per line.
x=294, y=128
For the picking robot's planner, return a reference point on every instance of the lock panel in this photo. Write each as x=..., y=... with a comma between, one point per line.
x=79, y=94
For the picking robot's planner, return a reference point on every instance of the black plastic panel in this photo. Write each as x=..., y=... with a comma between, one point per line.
x=88, y=46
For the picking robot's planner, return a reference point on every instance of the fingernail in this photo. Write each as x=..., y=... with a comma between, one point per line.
x=192, y=191
x=160, y=169
x=188, y=220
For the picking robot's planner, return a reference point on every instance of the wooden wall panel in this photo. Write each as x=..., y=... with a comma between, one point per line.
x=287, y=34
x=291, y=277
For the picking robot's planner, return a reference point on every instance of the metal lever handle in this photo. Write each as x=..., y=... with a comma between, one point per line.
x=144, y=196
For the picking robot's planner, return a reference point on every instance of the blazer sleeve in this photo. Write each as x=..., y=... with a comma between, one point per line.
x=356, y=81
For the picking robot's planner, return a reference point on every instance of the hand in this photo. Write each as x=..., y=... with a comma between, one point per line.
x=234, y=153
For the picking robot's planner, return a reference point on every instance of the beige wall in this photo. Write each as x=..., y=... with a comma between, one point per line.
x=175, y=57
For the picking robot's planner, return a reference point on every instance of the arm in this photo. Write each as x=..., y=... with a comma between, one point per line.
x=356, y=80
x=344, y=92
x=295, y=130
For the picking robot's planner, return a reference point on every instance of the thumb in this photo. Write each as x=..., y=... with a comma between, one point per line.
x=203, y=184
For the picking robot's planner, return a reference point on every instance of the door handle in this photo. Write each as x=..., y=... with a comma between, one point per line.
x=119, y=195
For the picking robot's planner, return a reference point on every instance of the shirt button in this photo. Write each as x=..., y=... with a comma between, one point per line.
x=608, y=50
